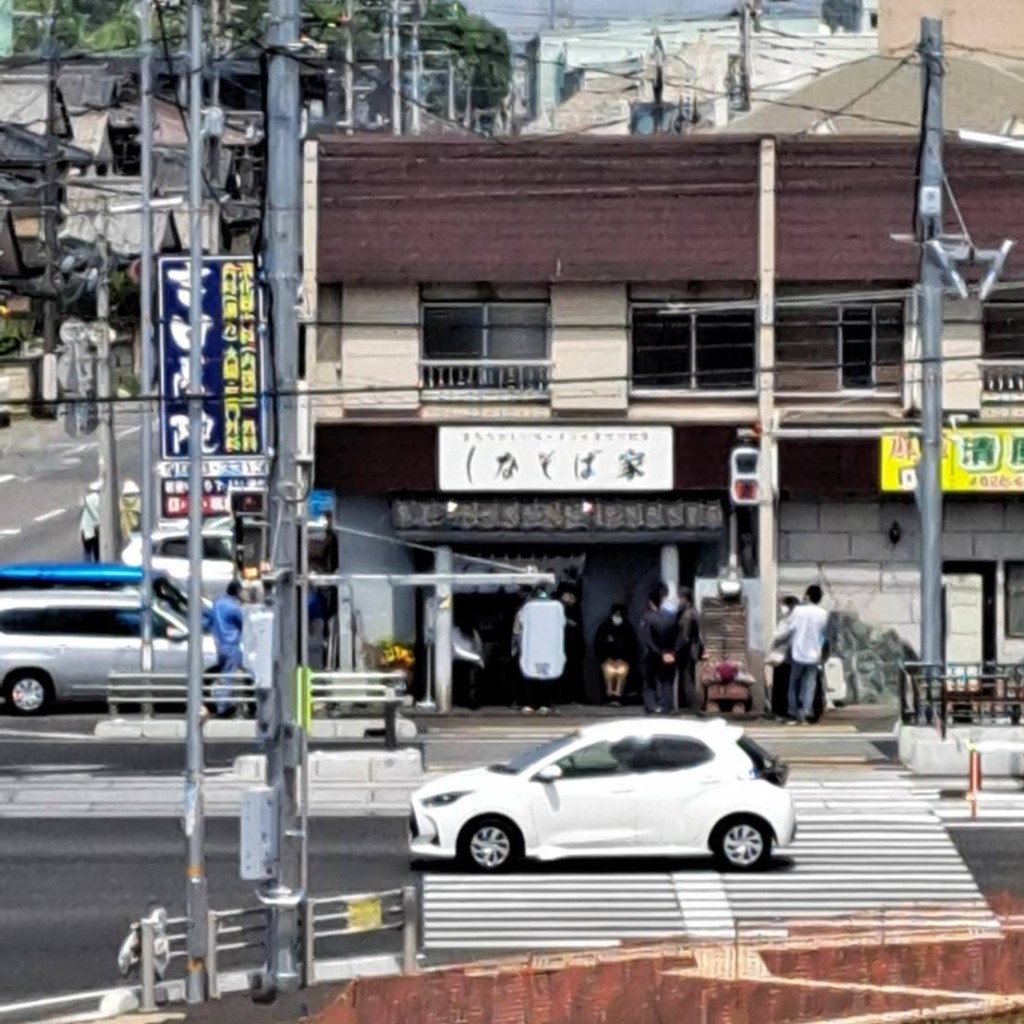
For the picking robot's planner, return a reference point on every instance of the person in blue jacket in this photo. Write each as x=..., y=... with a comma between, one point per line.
x=228, y=622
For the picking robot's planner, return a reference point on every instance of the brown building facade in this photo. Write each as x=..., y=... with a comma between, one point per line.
x=674, y=291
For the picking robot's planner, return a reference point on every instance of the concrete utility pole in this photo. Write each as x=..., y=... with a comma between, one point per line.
x=396, y=68
x=197, y=892
x=285, y=748
x=747, y=12
x=931, y=287
x=110, y=524
x=147, y=519
x=50, y=191
x=941, y=256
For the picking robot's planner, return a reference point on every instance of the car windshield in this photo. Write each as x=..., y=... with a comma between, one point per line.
x=526, y=760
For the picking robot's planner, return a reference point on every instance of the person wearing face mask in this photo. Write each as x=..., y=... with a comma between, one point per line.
x=615, y=648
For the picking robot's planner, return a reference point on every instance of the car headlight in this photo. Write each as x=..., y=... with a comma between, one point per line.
x=443, y=799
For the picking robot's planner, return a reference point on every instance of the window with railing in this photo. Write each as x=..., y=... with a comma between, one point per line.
x=497, y=348
x=1003, y=350
x=854, y=347
x=693, y=350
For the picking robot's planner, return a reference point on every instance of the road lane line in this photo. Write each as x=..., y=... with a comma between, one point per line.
x=6, y=477
x=52, y=514
x=128, y=431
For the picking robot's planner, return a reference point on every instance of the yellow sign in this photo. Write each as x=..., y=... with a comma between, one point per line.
x=365, y=915
x=304, y=696
x=975, y=460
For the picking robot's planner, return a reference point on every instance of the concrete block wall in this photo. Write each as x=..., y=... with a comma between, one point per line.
x=845, y=547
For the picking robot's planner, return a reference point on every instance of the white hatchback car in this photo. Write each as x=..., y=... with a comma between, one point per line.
x=649, y=787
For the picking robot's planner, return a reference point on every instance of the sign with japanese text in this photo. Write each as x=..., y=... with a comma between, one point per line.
x=975, y=460
x=532, y=459
x=234, y=408
x=216, y=495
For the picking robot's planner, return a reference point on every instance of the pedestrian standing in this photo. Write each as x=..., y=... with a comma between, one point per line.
x=89, y=522
x=615, y=649
x=538, y=637
x=805, y=631
x=690, y=649
x=778, y=659
x=228, y=624
x=660, y=639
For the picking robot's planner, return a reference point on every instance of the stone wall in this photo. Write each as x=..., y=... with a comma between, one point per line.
x=872, y=583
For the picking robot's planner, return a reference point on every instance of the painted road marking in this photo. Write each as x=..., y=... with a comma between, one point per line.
x=12, y=531
x=6, y=477
x=52, y=514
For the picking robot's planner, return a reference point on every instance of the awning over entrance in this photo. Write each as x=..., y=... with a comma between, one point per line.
x=573, y=519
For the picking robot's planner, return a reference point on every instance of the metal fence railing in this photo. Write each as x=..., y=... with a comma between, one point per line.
x=960, y=693
x=236, y=938
x=328, y=694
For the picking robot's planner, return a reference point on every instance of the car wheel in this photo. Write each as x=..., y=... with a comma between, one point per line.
x=28, y=692
x=743, y=843
x=490, y=844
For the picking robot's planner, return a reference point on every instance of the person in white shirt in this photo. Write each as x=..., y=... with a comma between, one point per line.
x=89, y=522
x=805, y=630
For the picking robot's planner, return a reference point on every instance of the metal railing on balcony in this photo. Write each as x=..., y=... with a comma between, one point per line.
x=505, y=379
x=1003, y=380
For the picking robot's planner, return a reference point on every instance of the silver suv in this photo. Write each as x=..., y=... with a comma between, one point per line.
x=60, y=645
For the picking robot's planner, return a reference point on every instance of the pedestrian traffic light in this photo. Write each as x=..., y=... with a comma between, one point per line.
x=745, y=475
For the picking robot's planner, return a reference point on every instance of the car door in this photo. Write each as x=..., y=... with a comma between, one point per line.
x=678, y=780
x=96, y=642
x=170, y=645
x=591, y=807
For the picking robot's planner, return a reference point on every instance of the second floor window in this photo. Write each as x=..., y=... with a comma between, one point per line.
x=713, y=351
x=503, y=345
x=856, y=347
x=1003, y=331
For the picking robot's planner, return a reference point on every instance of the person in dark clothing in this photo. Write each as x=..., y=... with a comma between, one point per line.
x=779, y=659
x=615, y=649
x=661, y=638
x=570, y=686
x=690, y=649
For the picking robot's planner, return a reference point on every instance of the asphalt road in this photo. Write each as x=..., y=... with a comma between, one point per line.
x=43, y=476
x=69, y=889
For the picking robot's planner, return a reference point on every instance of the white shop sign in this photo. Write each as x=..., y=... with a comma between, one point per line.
x=545, y=459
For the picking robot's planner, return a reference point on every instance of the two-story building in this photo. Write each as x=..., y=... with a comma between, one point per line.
x=540, y=353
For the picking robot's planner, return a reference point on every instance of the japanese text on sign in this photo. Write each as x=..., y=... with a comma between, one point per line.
x=974, y=460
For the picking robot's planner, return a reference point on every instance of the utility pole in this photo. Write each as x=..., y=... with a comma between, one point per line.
x=50, y=192
x=396, y=69
x=197, y=891
x=941, y=256
x=110, y=526
x=451, y=91
x=147, y=519
x=931, y=288
x=746, y=55
x=467, y=115
x=416, y=66
x=350, y=68
x=285, y=739
x=213, y=144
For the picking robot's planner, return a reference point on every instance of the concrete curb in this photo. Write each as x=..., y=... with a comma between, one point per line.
x=355, y=767
x=173, y=729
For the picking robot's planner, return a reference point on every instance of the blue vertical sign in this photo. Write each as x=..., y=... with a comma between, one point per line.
x=234, y=409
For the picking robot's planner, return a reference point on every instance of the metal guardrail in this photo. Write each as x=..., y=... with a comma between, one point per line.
x=237, y=931
x=333, y=694
x=961, y=693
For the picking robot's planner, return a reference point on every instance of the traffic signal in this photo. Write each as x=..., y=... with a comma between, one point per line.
x=745, y=475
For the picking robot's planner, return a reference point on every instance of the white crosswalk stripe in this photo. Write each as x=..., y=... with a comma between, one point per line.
x=866, y=854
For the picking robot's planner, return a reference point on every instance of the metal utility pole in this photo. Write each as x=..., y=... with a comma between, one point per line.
x=285, y=748
x=350, y=68
x=396, y=67
x=197, y=894
x=110, y=525
x=50, y=191
x=931, y=287
x=213, y=144
x=147, y=519
x=451, y=90
x=416, y=68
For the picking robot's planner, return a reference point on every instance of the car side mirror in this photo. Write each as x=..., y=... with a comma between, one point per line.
x=176, y=635
x=549, y=773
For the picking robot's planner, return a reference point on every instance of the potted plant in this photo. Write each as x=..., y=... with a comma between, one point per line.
x=395, y=656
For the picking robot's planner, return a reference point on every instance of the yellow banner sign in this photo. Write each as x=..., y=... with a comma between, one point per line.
x=975, y=460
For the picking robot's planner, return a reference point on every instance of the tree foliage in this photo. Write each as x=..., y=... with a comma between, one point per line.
x=480, y=52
